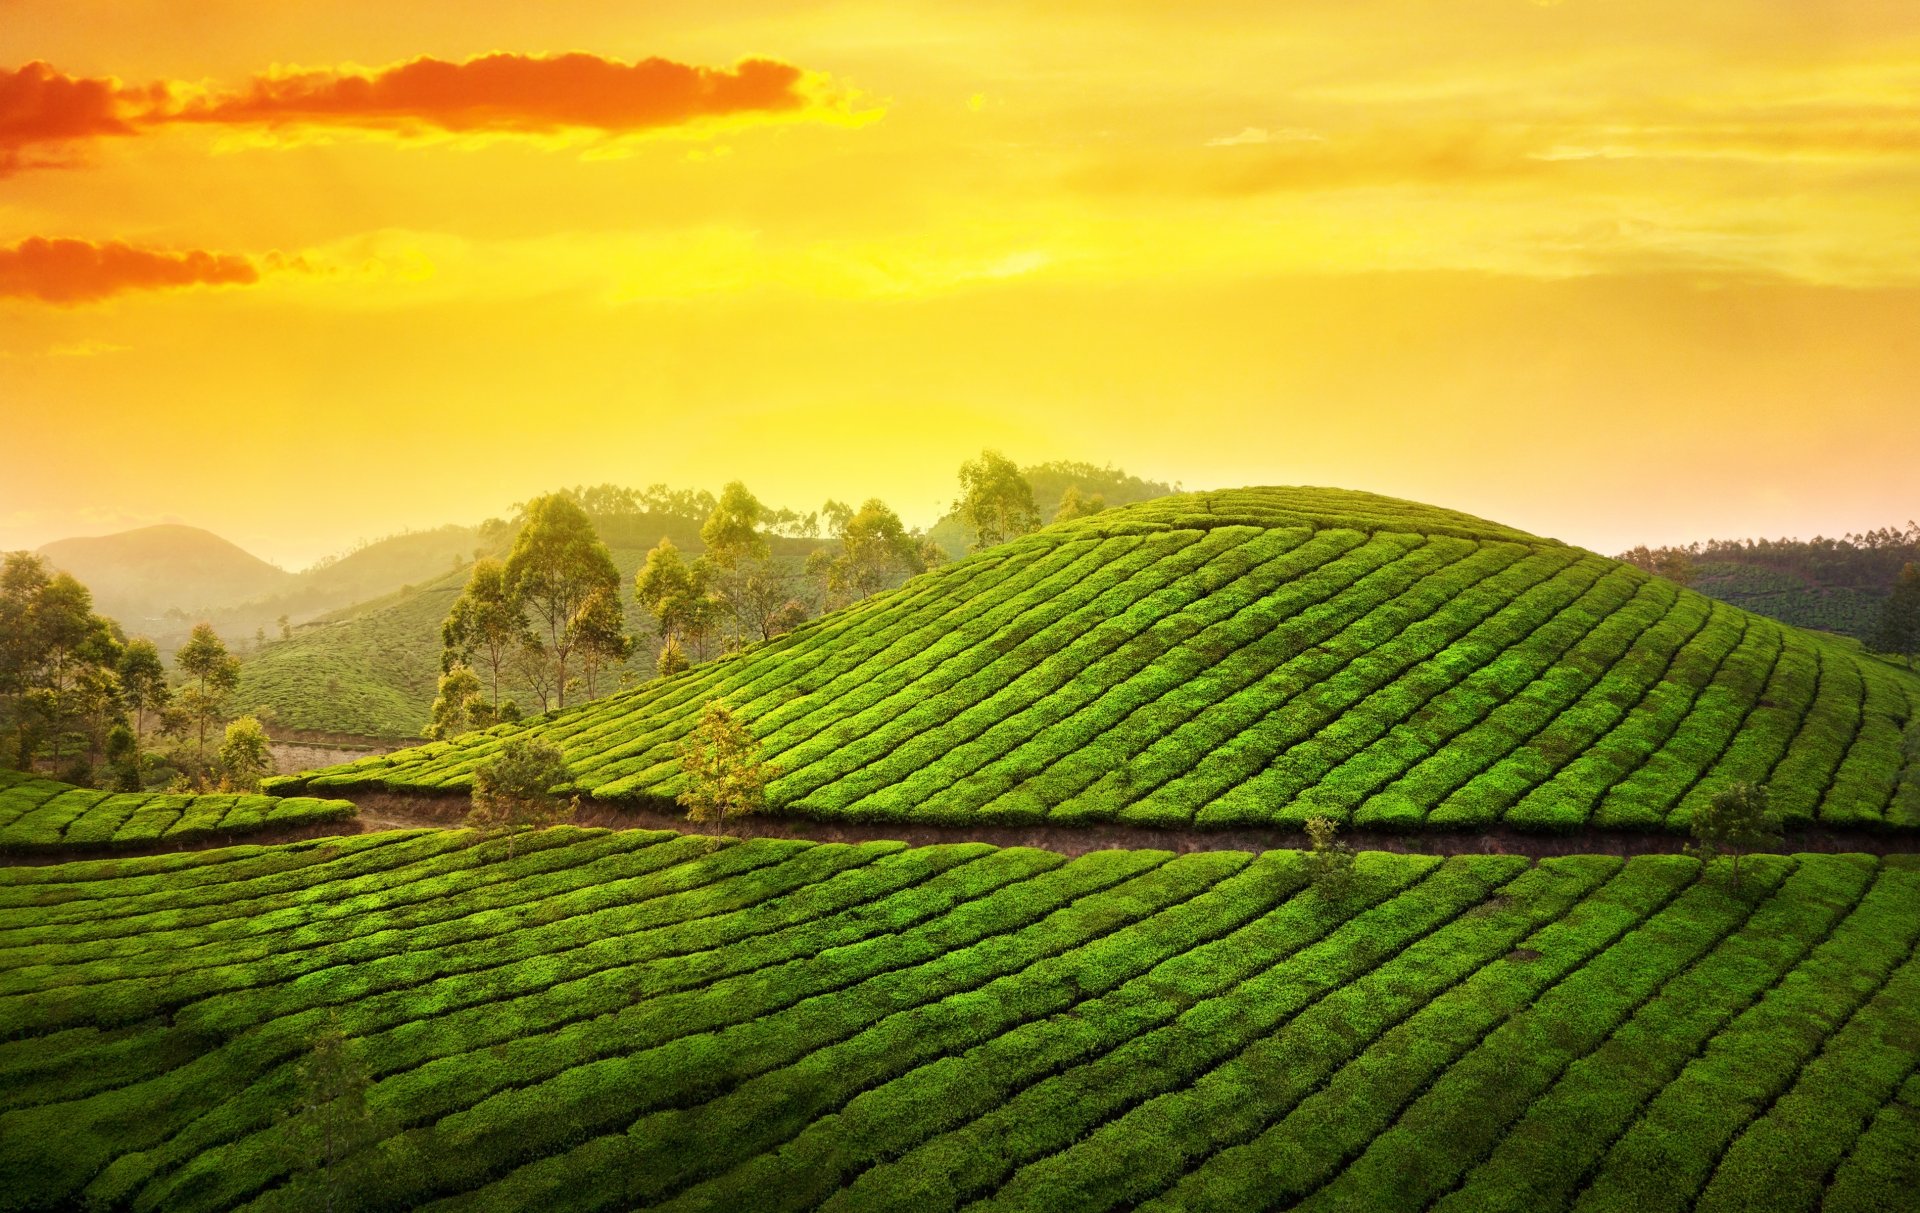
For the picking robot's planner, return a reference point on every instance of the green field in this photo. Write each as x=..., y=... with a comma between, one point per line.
x=1259, y=656
x=1790, y=599
x=44, y=815
x=611, y=1020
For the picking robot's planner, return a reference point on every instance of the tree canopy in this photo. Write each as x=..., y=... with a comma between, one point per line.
x=996, y=502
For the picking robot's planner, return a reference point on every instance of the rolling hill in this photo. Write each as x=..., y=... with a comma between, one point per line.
x=634, y=1019
x=1258, y=656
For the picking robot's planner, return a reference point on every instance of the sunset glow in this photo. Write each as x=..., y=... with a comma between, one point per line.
x=1612, y=272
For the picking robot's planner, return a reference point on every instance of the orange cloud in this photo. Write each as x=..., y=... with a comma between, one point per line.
x=79, y=271
x=521, y=94
x=41, y=108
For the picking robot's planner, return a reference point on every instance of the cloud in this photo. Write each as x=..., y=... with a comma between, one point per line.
x=63, y=271
x=44, y=112
x=42, y=109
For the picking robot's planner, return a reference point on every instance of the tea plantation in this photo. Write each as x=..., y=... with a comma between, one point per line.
x=614, y=1020
x=43, y=815
x=1259, y=656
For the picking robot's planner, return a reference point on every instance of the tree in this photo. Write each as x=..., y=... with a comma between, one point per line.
x=23, y=578
x=1674, y=564
x=737, y=568
x=76, y=651
x=1734, y=822
x=1073, y=504
x=1329, y=861
x=246, y=756
x=876, y=552
x=486, y=626
x=514, y=790
x=724, y=770
x=143, y=682
x=460, y=707
x=286, y=627
x=601, y=630
x=675, y=594
x=731, y=532
x=1898, y=632
x=558, y=562
x=330, y=1120
x=996, y=502
x=215, y=673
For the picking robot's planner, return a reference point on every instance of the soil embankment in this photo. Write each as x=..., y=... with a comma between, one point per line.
x=391, y=811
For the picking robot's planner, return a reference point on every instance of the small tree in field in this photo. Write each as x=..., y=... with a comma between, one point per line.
x=246, y=756
x=330, y=1119
x=1734, y=822
x=725, y=774
x=214, y=673
x=1329, y=860
x=513, y=790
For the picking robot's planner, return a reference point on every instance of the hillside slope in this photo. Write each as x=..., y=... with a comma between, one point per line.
x=645, y=1020
x=1790, y=599
x=1258, y=656
x=371, y=669
x=137, y=576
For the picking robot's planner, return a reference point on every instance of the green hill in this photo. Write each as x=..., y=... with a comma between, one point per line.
x=1258, y=656
x=1844, y=610
x=631, y=1019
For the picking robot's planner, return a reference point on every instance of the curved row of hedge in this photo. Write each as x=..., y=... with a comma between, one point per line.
x=613, y=1020
x=1232, y=659
x=45, y=815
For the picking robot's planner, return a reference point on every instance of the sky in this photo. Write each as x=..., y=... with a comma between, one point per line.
x=303, y=273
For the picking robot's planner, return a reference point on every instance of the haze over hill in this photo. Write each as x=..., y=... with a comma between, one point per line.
x=138, y=576
x=159, y=581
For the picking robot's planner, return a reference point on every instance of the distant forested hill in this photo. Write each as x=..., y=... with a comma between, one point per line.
x=1835, y=585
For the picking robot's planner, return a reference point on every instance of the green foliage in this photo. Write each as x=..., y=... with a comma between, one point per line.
x=876, y=552
x=514, y=790
x=143, y=681
x=57, y=664
x=330, y=1122
x=485, y=628
x=557, y=566
x=43, y=815
x=1254, y=658
x=1329, y=859
x=724, y=773
x=1734, y=822
x=246, y=755
x=996, y=502
x=461, y=706
x=645, y=1020
x=1898, y=629
x=213, y=674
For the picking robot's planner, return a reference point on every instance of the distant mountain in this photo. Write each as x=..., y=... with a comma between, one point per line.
x=159, y=581
x=138, y=576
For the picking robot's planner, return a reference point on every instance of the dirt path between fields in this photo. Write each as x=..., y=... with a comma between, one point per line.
x=392, y=811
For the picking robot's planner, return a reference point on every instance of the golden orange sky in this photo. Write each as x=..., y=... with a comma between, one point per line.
x=1609, y=270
